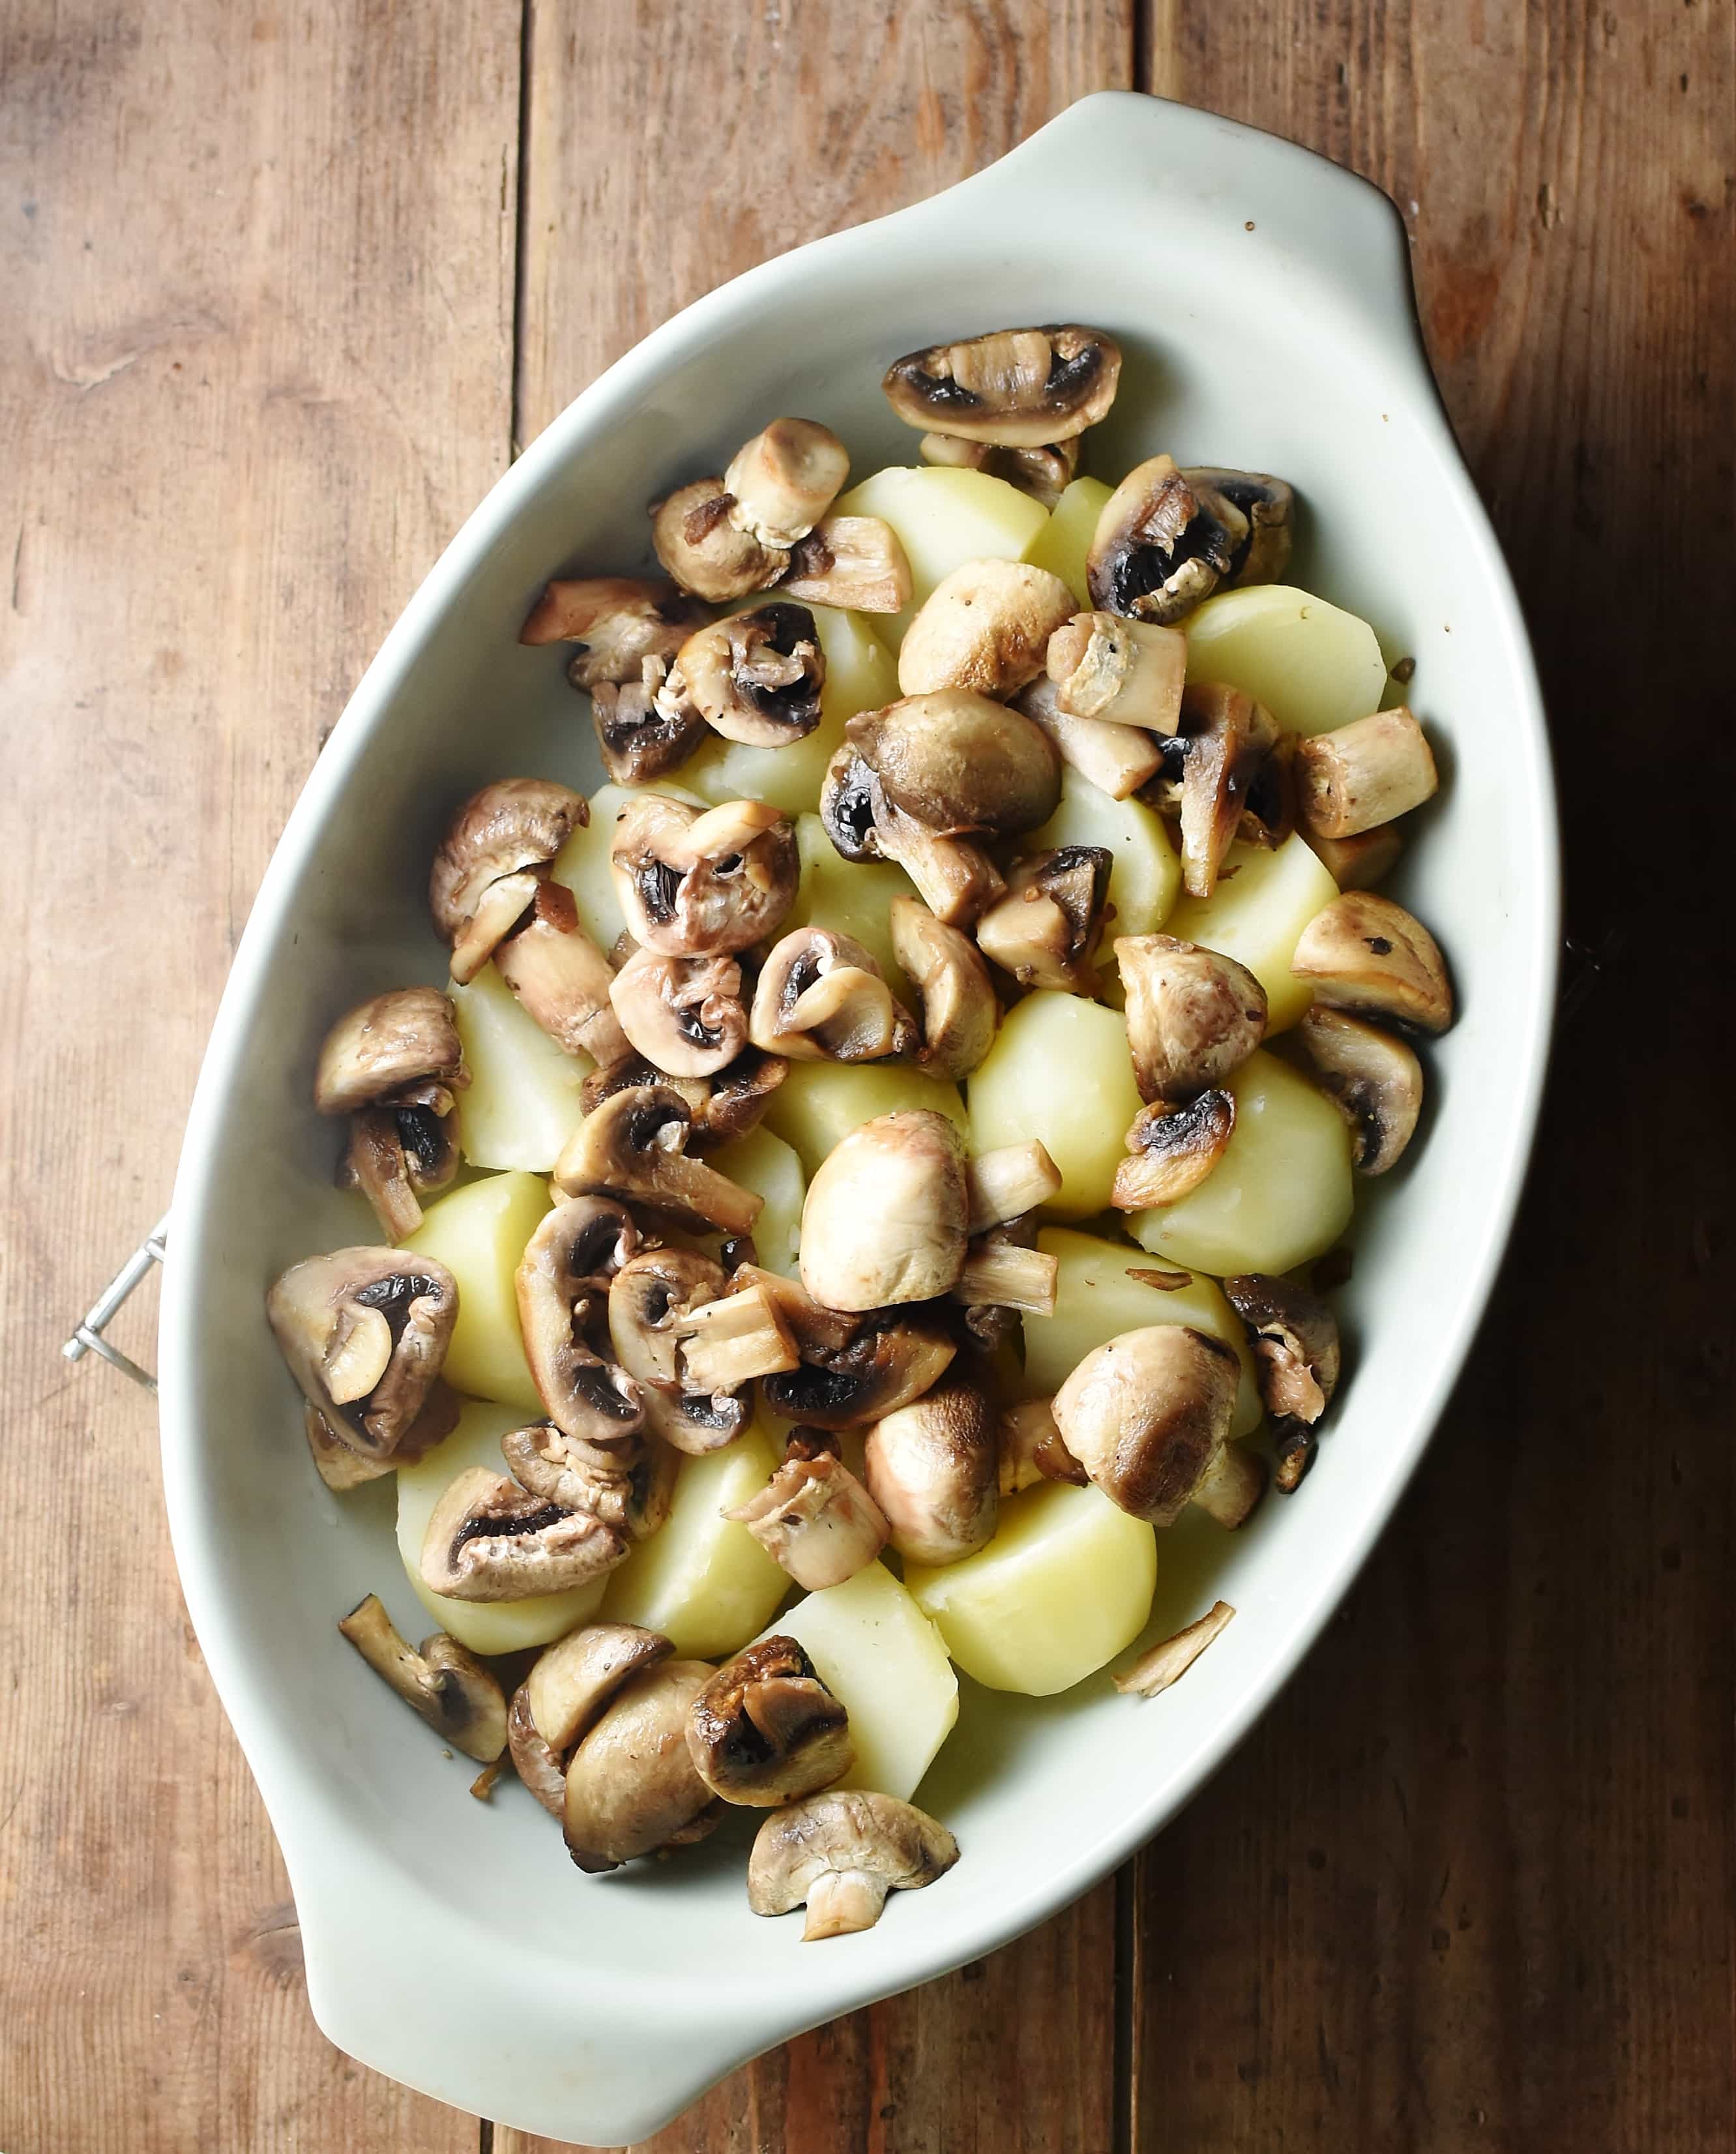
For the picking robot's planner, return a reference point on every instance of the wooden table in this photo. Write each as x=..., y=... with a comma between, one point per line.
x=285, y=286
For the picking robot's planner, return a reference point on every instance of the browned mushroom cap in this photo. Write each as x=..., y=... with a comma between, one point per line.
x=822, y=997
x=365, y=1332
x=1228, y=738
x=644, y=732
x=1024, y=389
x=1363, y=953
x=562, y=979
x=693, y=884
x=1361, y=775
x=1029, y=1448
x=1046, y=931
x=1194, y=1016
x=960, y=763
x=630, y=1786
x=683, y=1014
x=785, y=480
x=955, y=876
x=1172, y=1150
x=1044, y=473
x=1270, y=506
x=1122, y=672
x=730, y=1104
x=934, y=1469
x=815, y=1518
x=1361, y=862
x=1147, y=1414
x=562, y=1288
x=954, y=993
x=855, y=561
x=1117, y=759
x=633, y=1147
x=756, y=677
x=884, y=1219
x=627, y=1482
x=569, y=1686
x=853, y=1369
x=706, y=552
x=496, y=851
x=1374, y=1080
x=385, y=1046
x=984, y=627
x=765, y=1729
x=1294, y=1338
x=842, y=1853
x=692, y=1344
x=490, y=1539
x=1162, y=544
x=617, y=622
x=442, y=1683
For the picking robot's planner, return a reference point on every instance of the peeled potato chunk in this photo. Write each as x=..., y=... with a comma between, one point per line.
x=1257, y=914
x=1146, y=879
x=1312, y=665
x=875, y=1650
x=523, y=1104
x=479, y=1232
x=486, y=1626
x=771, y=1169
x=1064, y=1586
x=701, y=1579
x=848, y=897
x=1282, y=1192
x=820, y=1102
x=1059, y=1070
x=1064, y=540
x=943, y=518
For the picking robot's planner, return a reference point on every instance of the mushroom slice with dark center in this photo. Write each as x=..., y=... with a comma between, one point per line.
x=1374, y=1080
x=730, y=1104
x=854, y=561
x=757, y=676
x=561, y=977
x=766, y=1730
x=1267, y=504
x=1044, y=473
x=1365, y=954
x=496, y=850
x=648, y=1303
x=632, y=1787
x=954, y=993
x=617, y=623
x=1193, y=1015
x=1023, y=389
x=342, y=1467
x=1161, y=545
x=1296, y=1349
x=1117, y=759
x=397, y=1154
x=642, y=733
x=884, y=1219
x=682, y=1014
x=984, y=627
x=853, y=1369
x=365, y=1332
x=695, y=884
x=633, y=1147
x=785, y=480
x=1046, y=931
x=705, y=551
x=570, y=1686
x=1002, y=1271
x=954, y=876
x=627, y=1482
x=1031, y=1450
x=490, y=1539
x=822, y=997
x=1118, y=671
x=442, y=1683
x=563, y=1283
x=961, y=763
x=1361, y=775
x=934, y=1467
x=842, y=1853
x=1228, y=736
x=815, y=1518
x=1173, y=1149
x=1007, y=1181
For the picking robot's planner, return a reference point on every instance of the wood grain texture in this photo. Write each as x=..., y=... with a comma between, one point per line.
x=254, y=368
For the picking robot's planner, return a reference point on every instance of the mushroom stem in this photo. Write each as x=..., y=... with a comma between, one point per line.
x=442, y=1684
x=1031, y=1449
x=1008, y=1181
x=1231, y=1487
x=842, y=1900
x=1361, y=775
x=1169, y=1660
x=726, y=1343
x=1117, y=758
x=375, y=1157
x=1010, y=1278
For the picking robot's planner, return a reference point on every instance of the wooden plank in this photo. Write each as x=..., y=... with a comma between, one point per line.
x=259, y=263
x=1470, y=1884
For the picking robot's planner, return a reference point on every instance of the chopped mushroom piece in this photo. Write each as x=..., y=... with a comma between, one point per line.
x=562, y=1284
x=441, y=1683
x=985, y=627
x=490, y=1539
x=705, y=551
x=649, y=1305
x=853, y=1368
x=562, y=979
x=1173, y=1149
x=1120, y=671
x=1022, y=389
x=1031, y=1450
x=954, y=993
x=1295, y=1337
x=955, y=876
x=1228, y=737
x=756, y=677
x=730, y=1104
x=765, y=1729
x=1269, y=796
x=1008, y=1181
x=842, y=1854
x=1116, y=759
x=1358, y=776
x=1000, y=1272
x=1162, y=544
x=1361, y=862
x=1167, y=1662
x=630, y=1785
x=617, y=623
x=854, y=561
x=683, y=1014
x=1044, y=473
x=884, y=1219
x=1270, y=506
x=1194, y=1016
x=627, y=1482
x=340, y=1467
x=633, y=1147
x=643, y=732
x=933, y=1467
x=697, y=884
x=394, y=1064
x=570, y=1686
x=1046, y=931
x=365, y=1332
x=1364, y=953
x=1373, y=1080
x=815, y=1518
x=785, y=480
x=822, y=997
x=496, y=852
x=961, y=763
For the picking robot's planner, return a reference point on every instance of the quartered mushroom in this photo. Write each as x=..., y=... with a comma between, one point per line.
x=561, y=977
x=1227, y=739
x=633, y=1147
x=933, y=1467
x=569, y=1688
x=765, y=1730
x=697, y=883
x=1162, y=544
x=822, y=997
x=1022, y=389
x=643, y=730
x=1117, y=759
x=853, y=1368
x=1044, y=473
x=961, y=763
x=814, y=1517
x=1359, y=776
x=395, y=1065
x=365, y=1332
x=630, y=1786
x=1268, y=505
x=1007, y=1181
x=1296, y=1353
x=562, y=1293
x=616, y=623
x=1031, y=1450
x=854, y=561
x=955, y=997
x=494, y=858
x=785, y=480
x=843, y=1853
x=1046, y=931
x=705, y=550
x=1365, y=954
x=684, y=1015
x=1372, y=1078
x=884, y=1219
x=490, y=1539
x=1361, y=862
x=1147, y=1414
x=985, y=627
x=1194, y=1016
x=1172, y=1150
x=1269, y=792
x=955, y=876
x=731, y=1103
x=692, y=1382
x=441, y=1682
x=626, y=1482
x=1118, y=671
x=755, y=677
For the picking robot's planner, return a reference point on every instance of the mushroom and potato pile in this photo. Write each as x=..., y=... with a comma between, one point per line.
x=873, y=1149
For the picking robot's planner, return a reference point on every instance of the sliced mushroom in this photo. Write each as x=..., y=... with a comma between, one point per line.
x=984, y=627
x=730, y=1104
x=1361, y=775
x=766, y=1730
x=854, y=561
x=1364, y=953
x=1002, y=1271
x=960, y=763
x=630, y=1785
x=1172, y=1149
x=617, y=623
x=1023, y=389
x=490, y=1539
x=1008, y=1181
x=1029, y=1448
x=1162, y=544
x=365, y=1332
x=1169, y=1660
x=933, y=1467
x=1269, y=507
x=632, y=1147
x=1373, y=1080
x=393, y=1065
x=562, y=979
x=643, y=730
x=884, y=1219
x=495, y=853
x=1147, y=1414
x=955, y=876
x=756, y=677
x=442, y=1683
x=815, y=1518
x=842, y=1853
x=563, y=1290
x=649, y=1303
x=570, y=1686
x=627, y=1482
x=1116, y=759
x=705, y=550
x=954, y=993
x=822, y=997
x=1228, y=738
x=1046, y=930
x=1360, y=863
x=1194, y=1016
x=683, y=1014
x=695, y=884
x=1044, y=473
x=785, y=480
x=1297, y=1356
x=854, y=1369
x=1118, y=671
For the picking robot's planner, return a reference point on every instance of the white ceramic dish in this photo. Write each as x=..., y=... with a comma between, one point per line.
x=1263, y=299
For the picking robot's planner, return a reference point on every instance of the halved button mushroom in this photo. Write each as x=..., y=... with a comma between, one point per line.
x=1270, y=506
x=627, y=1482
x=705, y=550
x=630, y=1784
x=1029, y=1448
x=365, y=1332
x=954, y=993
x=1162, y=544
x=1044, y=473
x=1117, y=759
x=822, y=997
x=1194, y=1016
x=490, y=1539
x=842, y=1853
x=1374, y=1080
x=563, y=1291
x=854, y=561
x=1024, y=388
x=1147, y=1414
x=1228, y=737
x=814, y=1517
x=785, y=480
x=955, y=876
x=683, y=1014
x=695, y=884
x=933, y=1467
x=1120, y=671
x=984, y=627
x=494, y=854
x=617, y=622
x=561, y=977
x=1296, y=1352
x=442, y=1683
x=644, y=732
x=394, y=1064
x=756, y=677
x=1361, y=862
x=649, y=1303
x=1364, y=953
x=632, y=1147
x=884, y=1220
x=961, y=763
x=1361, y=775
x=1046, y=931
x=765, y=1729
x=1173, y=1149
x=570, y=1686
x=854, y=1369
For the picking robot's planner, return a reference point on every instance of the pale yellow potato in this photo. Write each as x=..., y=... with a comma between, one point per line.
x=479, y=1232
x=1256, y=915
x=582, y=864
x=819, y=1102
x=701, y=1579
x=486, y=1626
x=1312, y=665
x=943, y=517
x=523, y=1104
x=1096, y=1299
x=850, y=897
x=1065, y=1584
x=771, y=1169
x=875, y=1650
x=1064, y=540
x=1281, y=1194
x=1147, y=877
x=1059, y=1070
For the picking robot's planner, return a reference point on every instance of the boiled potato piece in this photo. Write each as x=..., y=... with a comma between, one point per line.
x=701, y=1579
x=1147, y=877
x=875, y=1650
x=1064, y=1585
x=1059, y=1070
x=486, y=1626
x=1312, y=665
x=944, y=517
x=848, y=897
x=523, y=1104
x=582, y=864
x=1282, y=1192
x=819, y=1102
x=479, y=1232
x=1262, y=902
x=766, y=1165
x=1096, y=1299
x=1064, y=540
